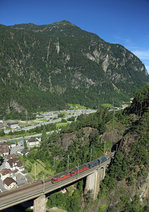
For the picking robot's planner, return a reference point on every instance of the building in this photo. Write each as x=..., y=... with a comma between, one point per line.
x=11, y=156
x=21, y=179
x=14, y=164
x=4, y=173
x=12, y=124
x=33, y=142
x=9, y=183
x=12, y=144
x=4, y=149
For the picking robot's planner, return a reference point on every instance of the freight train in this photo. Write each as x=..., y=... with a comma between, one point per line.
x=78, y=170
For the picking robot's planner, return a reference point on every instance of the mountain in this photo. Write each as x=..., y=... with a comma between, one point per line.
x=45, y=67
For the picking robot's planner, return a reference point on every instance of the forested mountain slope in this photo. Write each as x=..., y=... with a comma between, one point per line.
x=126, y=184
x=45, y=67
x=127, y=181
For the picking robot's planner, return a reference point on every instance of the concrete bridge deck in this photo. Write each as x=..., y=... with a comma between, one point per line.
x=35, y=190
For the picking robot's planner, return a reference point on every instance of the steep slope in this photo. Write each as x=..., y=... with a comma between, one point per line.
x=45, y=67
x=126, y=183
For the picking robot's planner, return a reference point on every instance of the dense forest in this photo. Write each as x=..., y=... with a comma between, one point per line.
x=125, y=187
x=46, y=67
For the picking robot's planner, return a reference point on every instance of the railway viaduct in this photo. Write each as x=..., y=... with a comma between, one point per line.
x=38, y=190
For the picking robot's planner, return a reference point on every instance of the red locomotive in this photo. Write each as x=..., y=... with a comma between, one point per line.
x=76, y=171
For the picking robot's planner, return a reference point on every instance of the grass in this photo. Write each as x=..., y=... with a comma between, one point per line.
x=76, y=106
x=108, y=145
x=102, y=208
x=71, y=188
x=61, y=124
x=25, y=124
x=15, y=135
x=37, y=168
x=107, y=105
x=44, y=120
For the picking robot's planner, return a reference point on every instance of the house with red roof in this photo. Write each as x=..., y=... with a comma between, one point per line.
x=9, y=183
x=4, y=149
x=4, y=173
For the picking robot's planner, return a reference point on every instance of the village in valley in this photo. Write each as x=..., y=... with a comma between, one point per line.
x=12, y=172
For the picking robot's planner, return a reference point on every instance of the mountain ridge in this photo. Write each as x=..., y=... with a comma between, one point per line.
x=47, y=66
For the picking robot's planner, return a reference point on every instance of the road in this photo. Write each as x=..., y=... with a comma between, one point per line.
x=47, y=116
x=52, y=117
x=26, y=137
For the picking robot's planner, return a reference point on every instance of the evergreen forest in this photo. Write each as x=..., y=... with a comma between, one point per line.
x=125, y=185
x=47, y=67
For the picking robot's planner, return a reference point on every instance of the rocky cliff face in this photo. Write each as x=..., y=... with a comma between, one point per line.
x=143, y=190
x=67, y=139
x=49, y=65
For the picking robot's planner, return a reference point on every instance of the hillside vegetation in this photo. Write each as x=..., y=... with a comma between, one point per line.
x=46, y=67
x=126, y=186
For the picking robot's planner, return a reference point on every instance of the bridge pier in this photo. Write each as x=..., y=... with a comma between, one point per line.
x=93, y=180
x=40, y=204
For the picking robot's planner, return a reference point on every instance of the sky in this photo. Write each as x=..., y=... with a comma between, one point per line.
x=116, y=21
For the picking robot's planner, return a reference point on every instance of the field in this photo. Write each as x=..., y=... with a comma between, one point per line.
x=76, y=106
x=37, y=169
